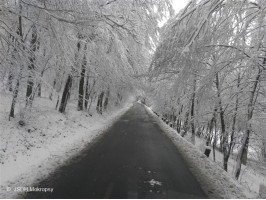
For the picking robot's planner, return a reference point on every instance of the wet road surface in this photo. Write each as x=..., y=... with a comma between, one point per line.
x=134, y=159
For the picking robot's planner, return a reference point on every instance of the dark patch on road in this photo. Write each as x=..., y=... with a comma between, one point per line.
x=134, y=159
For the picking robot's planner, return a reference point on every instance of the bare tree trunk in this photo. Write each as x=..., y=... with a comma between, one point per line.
x=15, y=96
x=214, y=141
x=81, y=84
x=178, y=123
x=105, y=104
x=86, y=94
x=243, y=150
x=39, y=89
x=51, y=94
x=66, y=94
x=263, y=149
x=185, y=126
x=10, y=74
x=90, y=93
x=57, y=102
x=193, y=134
x=68, y=85
x=212, y=123
x=40, y=85
x=10, y=80
x=223, y=131
x=99, y=107
x=16, y=90
x=230, y=145
x=90, y=103
x=31, y=66
x=57, y=83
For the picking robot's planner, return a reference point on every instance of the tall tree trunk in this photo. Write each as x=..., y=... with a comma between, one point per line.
x=193, y=134
x=263, y=149
x=179, y=121
x=178, y=125
x=16, y=90
x=90, y=103
x=86, y=94
x=57, y=102
x=15, y=96
x=81, y=84
x=212, y=123
x=39, y=89
x=68, y=85
x=89, y=94
x=185, y=126
x=214, y=141
x=228, y=152
x=223, y=131
x=40, y=85
x=10, y=81
x=66, y=94
x=10, y=73
x=243, y=150
x=42, y=72
x=99, y=107
x=31, y=66
x=51, y=94
x=105, y=104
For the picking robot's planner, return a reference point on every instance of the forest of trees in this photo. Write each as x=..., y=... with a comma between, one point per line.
x=87, y=50
x=208, y=75
x=204, y=70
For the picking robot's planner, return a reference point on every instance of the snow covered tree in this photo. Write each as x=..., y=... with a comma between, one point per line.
x=211, y=56
x=113, y=41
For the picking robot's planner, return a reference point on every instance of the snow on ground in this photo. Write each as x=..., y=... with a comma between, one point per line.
x=30, y=153
x=251, y=176
x=215, y=182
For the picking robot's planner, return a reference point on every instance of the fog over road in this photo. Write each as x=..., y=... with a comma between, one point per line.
x=134, y=159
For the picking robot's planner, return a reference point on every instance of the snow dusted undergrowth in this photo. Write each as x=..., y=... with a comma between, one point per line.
x=215, y=182
x=30, y=153
x=251, y=176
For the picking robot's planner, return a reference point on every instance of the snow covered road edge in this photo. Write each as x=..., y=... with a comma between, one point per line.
x=215, y=182
x=56, y=155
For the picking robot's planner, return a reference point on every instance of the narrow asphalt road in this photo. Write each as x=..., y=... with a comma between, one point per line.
x=134, y=159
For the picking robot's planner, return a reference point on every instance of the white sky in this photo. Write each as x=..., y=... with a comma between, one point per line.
x=178, y=5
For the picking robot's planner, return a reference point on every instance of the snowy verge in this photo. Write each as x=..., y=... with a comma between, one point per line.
x=215, y=182
x=29, y=154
